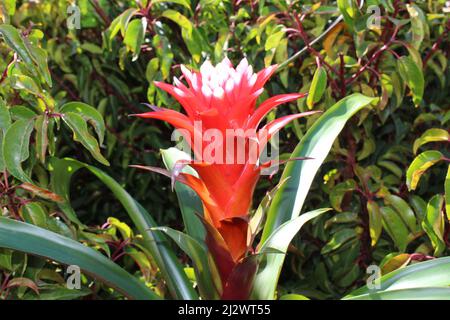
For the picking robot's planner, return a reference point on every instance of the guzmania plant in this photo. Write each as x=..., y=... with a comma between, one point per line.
x=224, y=98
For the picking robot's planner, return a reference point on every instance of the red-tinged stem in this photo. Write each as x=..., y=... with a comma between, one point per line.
x=447, y=232
x=437, y=44
x=7, y=293
x=71, y=93
x=374, y=57
x=122, y=245
x=5, y=72
x=117, y=257
x=305, y=39
x=303, y=35
x=395, y=54
x=375, y=72
x=5, y=282
x=5, y=176
x=342, y=75
x=100, y=12
x=365, y=252
x=420, y=257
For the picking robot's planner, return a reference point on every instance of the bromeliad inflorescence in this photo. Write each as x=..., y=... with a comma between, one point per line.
x=221, y=126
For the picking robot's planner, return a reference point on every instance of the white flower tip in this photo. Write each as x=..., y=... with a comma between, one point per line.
x=242, y=66
x=185, y=71
x=179, y=92
x=206, y=91
x=218, y=92
x=227, y=62
x=252, y=80
x=206, y=69
x=229, y=85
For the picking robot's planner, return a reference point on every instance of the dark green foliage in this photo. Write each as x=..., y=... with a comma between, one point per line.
x=383, y=214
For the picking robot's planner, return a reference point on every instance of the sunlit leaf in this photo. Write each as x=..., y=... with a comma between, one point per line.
x=419, y=165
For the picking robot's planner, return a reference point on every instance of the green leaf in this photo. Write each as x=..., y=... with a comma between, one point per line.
x=338, y=239
x=375, y=221
x=152, y=70
x=293, y=297
x=447, y=193
x=417, y=25
x=419, y=205
x=431, y=135
x=193, y=42
x=206, y=271
x=164, y=53
x=369, y=147
x=316, y=144
x=91, y=48
x=404, y=211
x=14, y=40
x=81, y=134
x=32, y=55
x=155, y=242
x=413, y=77
x=348, y=11
x=274, y=39
x=392, y=167
x=421, y=276
x=41, y=143
x=289, y=200
x=123, y=21
x=339, y=191
x=61, y=174
x=10, y=6
x=16, y=148
x=21, y=82
x=25, y=237
x=186, y=3
x=120, y=23
x=60, y=293
x=395, y=227
x=135, y=35
x=21, y=112
x=40, y=58
x=179, y=19
x=419, y=165
x=5, y=122
x=407, y=294
x=124, y=229
x=5, y=117
x=279, y=239
x=318, y=86
x=257, y=219
x=274, y=247
x=188, y=199
x=34, y=213
x=90, y=114
x=434, y=224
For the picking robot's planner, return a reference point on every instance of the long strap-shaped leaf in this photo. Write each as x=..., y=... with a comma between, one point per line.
x=427, y=293
x=288, y=201
x=431, y=277
x=28, y=238
x=155, y=241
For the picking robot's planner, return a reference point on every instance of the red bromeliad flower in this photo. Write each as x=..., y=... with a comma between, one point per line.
x=223, y=99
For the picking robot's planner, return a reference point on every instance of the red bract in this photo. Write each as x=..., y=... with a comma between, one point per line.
x=223, y=99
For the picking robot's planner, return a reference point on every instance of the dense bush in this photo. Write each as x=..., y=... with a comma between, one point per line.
x=68, y=90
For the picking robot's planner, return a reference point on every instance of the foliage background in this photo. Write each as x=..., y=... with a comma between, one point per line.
x=123, y=46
